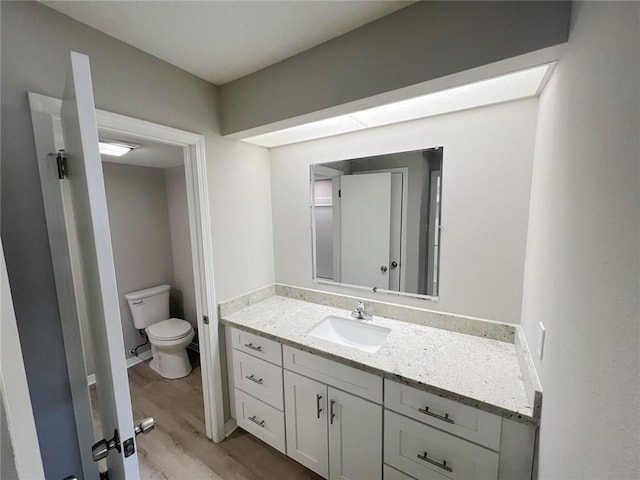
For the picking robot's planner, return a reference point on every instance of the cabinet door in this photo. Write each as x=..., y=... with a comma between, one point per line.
x=355, y=437
x=306, y=422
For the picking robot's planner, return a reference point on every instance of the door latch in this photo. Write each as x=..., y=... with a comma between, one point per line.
x=101, y=449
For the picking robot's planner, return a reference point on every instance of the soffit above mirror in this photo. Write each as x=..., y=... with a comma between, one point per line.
x=512, y=86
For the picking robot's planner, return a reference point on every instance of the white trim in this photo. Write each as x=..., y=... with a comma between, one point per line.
x=333, y=173
x=199, y=229
x=15, y=398
x=230, y=427
x=131, y=362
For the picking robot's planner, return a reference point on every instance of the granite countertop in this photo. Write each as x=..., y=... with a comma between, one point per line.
x=475, y=371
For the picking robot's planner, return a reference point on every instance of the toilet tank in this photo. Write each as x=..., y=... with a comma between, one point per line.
x=149, y=306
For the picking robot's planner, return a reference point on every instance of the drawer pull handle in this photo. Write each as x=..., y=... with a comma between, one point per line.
x=318, y=409
x=254, y=379
x=332, y=415
x=442, y=465
x=426, y=411
x=255, y=420
x=253, y=347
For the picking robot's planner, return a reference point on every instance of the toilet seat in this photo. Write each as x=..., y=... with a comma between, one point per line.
x=170, y=329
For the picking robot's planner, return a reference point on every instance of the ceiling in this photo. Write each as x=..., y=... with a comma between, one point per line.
x=148, y=154
x=221, y=41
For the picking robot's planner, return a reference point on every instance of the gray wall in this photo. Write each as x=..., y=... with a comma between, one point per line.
x=183, y=300
x=424, y=41
x=35, y=46
x=140, y=235
x=583, y=266
x=488, y=156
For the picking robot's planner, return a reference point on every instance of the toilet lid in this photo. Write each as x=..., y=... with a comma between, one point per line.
x=170, y=329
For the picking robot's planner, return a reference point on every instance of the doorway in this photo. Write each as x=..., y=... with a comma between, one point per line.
x=49, y=141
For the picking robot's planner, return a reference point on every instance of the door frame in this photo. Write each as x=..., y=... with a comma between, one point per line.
x=193, y=145
x=335, y=175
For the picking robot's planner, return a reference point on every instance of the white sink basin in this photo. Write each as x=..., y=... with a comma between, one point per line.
x=350, y=333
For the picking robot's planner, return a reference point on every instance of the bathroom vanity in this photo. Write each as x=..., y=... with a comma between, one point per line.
x=425, y=403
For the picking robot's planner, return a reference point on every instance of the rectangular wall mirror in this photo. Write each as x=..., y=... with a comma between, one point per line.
x=376, y=222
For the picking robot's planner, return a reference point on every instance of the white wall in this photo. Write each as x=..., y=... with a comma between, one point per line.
x=140, y=235
x=184, y=299
x=583, y=266
x=488, y=154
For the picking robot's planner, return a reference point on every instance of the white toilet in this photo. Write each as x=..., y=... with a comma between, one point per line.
x=169, y=337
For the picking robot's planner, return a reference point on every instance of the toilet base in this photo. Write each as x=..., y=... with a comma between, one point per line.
x=171, y=365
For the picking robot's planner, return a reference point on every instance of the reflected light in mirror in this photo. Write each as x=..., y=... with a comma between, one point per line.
x=512, y=86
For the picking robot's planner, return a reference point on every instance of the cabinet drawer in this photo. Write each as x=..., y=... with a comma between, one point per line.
x=426, y=453
x=257, y=346
x=256, y=377
x=349, y=379
x=261, y=420
x=393, y=474
x=462, y=420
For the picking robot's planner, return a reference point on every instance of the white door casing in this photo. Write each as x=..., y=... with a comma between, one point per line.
x=397, y=245
x=46, y=118
x=86, y=182
x=365, y=229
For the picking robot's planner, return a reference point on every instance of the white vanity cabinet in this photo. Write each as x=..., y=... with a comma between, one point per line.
x=330, y=417
x=257, y=379
x=430, y=437
x=336, y=434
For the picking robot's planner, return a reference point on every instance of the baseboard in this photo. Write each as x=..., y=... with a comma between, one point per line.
x=230, y=427
x=143, y=357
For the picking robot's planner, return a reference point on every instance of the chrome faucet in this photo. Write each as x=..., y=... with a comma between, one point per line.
x=360, y=312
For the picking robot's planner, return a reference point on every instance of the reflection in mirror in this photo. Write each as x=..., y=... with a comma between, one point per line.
x=376, y=221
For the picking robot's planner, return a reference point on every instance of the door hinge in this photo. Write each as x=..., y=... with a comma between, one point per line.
x=61, y=160
x=205, y=320
x=339, y=193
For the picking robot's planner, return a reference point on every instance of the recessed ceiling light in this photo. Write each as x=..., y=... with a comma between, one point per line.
x=115, y=149
x=512, y=86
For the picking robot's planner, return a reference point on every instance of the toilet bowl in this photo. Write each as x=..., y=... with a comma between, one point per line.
x=169, y=337
x=169, y=340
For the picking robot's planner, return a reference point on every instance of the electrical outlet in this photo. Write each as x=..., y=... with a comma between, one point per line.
x=541, y=335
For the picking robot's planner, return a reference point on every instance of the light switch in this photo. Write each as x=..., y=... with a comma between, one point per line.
x=541, y=335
